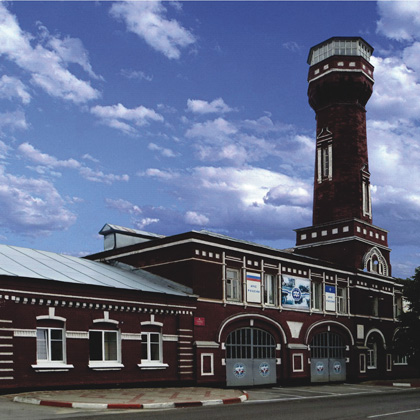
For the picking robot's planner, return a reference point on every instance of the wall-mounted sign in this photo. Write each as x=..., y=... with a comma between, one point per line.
x=296, y=293
x=330, y=298
x=199, y=321
x=253, y=287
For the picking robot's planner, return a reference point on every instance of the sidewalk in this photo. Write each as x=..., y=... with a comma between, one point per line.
x=136, y=398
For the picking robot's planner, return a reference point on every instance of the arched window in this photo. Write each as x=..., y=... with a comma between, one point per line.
x=374, y=262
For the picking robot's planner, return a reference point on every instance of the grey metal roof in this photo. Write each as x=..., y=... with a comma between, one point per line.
x=35, y=264
x=108, y=228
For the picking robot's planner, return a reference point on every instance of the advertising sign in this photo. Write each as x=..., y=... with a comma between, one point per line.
x=330, y=298
x=296, y=293
x=253, y=287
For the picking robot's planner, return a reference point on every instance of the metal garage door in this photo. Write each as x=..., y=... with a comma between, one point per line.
x=250, y=357
x=328, y=363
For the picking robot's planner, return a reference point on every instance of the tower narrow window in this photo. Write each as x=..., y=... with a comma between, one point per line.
x=324, y=157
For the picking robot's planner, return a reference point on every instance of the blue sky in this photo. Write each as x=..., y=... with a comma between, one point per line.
x=177, y=116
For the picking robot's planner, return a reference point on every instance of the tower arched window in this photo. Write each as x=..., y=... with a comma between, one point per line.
x=374, y=262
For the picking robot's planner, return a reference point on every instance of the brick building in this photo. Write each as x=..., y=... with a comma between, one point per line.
x=205, y=308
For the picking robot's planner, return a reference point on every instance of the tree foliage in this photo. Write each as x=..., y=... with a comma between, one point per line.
x=407, y=339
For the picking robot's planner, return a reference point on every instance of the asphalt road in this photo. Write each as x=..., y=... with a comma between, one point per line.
x=305, y=403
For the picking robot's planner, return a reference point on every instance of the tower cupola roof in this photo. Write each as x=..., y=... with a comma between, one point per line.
x=349, y=46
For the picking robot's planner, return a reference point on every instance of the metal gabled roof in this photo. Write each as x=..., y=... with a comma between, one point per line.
x=35, y=264
x=108, y=228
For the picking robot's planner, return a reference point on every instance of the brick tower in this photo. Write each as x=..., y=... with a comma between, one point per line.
x=340, y=84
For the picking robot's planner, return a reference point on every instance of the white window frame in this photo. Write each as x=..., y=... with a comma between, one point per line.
x=104, y=363
x=270, y=289
x=297, y=356
x=48, y=362
x=400, y=360
x=234, y=285
x=211, y=356
x=341, y=300
x=372, y=356
x=316, y=295
x=148, y=362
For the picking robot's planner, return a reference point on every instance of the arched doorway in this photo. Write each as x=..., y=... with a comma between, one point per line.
x=328, y=362
x=250, y=357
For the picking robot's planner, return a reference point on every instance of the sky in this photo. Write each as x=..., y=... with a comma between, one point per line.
x=176, y=116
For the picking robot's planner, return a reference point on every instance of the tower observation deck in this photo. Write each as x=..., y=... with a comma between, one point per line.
x=340, y=84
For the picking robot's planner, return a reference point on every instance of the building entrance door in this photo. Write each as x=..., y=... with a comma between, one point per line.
x=328, y=363
x=250, y=358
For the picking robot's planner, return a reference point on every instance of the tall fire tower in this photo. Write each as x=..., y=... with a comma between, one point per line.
x=340, y=84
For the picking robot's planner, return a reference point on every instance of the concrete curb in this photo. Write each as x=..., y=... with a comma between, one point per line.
x=100, y=406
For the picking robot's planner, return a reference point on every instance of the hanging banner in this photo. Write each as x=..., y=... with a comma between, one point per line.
x=296, y=293
x=330, y=298
x=253, y=287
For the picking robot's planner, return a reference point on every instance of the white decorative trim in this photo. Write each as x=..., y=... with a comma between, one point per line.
x=375, y=330
x=206, y=344
x=317, y=324
x=152, y=322
x=131, y=336
x=153, y=365
x=106, y=318
x=295, y=356
x=52, y=367
x=169, y=337
x=265, y=318
x=24, y=333
x=78, y=334
x=99, y=365
x=294, y=346
x=295, y=328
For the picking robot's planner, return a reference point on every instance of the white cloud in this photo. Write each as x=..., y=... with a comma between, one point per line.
x=11, y=87
x=123, y=206
x=148, y=21
x=194, y=218
x=216, y=106
x=44, y=159
x=13, y=120
x=136, y=74
x=162, y=150
x=51, y=162
x=397, y=90
x=47, y=67
x=31, y=207
x=71, y=50
x=120, y=117
x=399, y=20
x=246, y=202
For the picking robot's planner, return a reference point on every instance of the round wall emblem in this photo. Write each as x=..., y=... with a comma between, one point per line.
x=296, y=294
x=320, y=368
x=337, y=367
x=264, y=369
x=239, y=370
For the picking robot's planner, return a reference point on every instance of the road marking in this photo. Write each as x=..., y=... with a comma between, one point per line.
x=392, y=414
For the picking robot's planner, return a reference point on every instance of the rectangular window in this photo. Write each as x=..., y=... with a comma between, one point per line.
x=233, y=284
x=362, y=363
x=325, y=162
x=50, y=345
x=151, y=347
x=375, y=306
x=316, y=296
x=372, y=356
x=270, y=289
x=297, y=362
x=398, y=306
x=104, y=346
x=400, y=360
x=341, y=300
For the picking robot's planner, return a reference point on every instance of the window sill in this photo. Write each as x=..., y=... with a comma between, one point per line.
x=52, y=367
x=152, y=365
x=105, y=365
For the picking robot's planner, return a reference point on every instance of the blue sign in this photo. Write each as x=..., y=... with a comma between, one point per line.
x=296, y=294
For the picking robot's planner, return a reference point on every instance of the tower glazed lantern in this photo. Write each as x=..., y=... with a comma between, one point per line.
x=340, y=84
